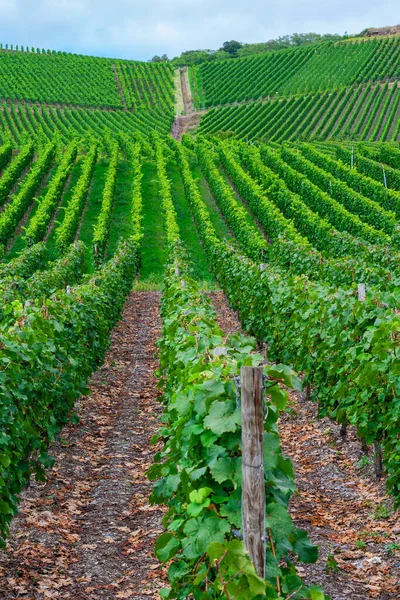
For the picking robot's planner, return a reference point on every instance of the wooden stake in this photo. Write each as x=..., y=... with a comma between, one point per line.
x=384, y=175
x=361, y=292
x=253, y=486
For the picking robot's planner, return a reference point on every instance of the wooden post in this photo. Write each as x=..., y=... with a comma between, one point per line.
x=384, y=175
x=253, y=486
x=361, y=292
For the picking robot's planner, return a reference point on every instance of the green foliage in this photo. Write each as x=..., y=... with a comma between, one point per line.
x=331, y=565
x=65, y=234
x=38, y=225
x=370, y=166
x=304, y=69
x=5, y=154
x=318, y=200
x=287, y=41
x=147, y=86
x=249, y=78
x=341, y=345
x=69, y=79
x=345, y=348
x=72, y=123
x=392, y=548
x=195, y=57
x=368, y=210
x=231, y=47
x=198, y=472
x=381, y=512
x=316, y=115
x=255, y=245
x=23, y=266
x=102, y=226
x=12, y=173
x=21, y=200
x=48, y=350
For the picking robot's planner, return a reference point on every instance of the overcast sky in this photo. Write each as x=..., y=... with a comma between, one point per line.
x=138, y=29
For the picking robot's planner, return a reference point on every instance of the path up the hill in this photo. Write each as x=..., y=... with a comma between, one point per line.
x=89, y=532
x=183, y=123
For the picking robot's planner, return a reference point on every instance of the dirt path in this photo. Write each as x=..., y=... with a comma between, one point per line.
x=186, y=91
x=343, y=507
x=88, y=533
x=179, y=107
x=183, y=123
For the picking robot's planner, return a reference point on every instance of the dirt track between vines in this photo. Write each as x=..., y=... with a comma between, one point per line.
x=182, y=123
x=89, y=532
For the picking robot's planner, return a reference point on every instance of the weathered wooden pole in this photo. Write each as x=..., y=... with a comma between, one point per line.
x=253, y=487
x=384, y=175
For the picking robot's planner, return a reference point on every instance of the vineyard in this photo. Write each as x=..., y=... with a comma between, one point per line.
x=368, y=112
x=141, y=275
x=326, y=66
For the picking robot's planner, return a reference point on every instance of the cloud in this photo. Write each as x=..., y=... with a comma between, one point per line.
x=141, y=28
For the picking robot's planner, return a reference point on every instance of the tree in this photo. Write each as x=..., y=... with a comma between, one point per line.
x=231, y=47
x=163, y=58
x=195, y=57
x=249, y=49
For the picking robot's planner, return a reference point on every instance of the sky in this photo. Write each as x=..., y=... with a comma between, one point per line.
x=139, y=29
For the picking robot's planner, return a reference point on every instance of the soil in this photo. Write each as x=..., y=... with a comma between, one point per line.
x=184, y=123
x=186, y=91
x=89, y=532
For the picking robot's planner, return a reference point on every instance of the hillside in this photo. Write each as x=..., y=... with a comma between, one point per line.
x=343, y=90
x=54, y=92
x=309, y=69
x=365, y=112
x=155, y=240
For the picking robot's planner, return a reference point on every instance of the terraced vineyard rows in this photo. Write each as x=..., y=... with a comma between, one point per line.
x=19, y=120
x=83, y=80
x=327, y=66
x=365, y=112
